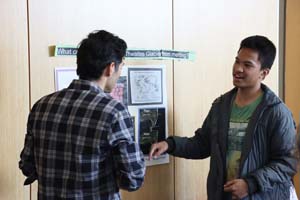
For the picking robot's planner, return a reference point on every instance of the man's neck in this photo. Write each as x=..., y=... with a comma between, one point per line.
x=245, y=96
x=101, y=82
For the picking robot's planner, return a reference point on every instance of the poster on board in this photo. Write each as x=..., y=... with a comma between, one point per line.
x=145, y=86
x=63, y=76
x=142, y=89
x=147, y=101
x=119, y=92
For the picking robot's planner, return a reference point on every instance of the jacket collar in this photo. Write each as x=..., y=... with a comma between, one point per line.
x=269, y=98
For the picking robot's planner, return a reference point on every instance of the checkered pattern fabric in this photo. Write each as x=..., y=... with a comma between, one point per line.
x=79, y=145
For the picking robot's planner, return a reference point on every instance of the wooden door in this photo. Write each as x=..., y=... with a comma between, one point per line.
x=292, y=69
x=213, y=29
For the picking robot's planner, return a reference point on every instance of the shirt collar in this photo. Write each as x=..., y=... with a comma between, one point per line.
x=80, y=84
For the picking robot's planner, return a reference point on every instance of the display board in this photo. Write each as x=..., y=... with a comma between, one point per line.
x=142, y=89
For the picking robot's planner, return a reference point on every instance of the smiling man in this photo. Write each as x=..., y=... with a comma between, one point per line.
x=249, y=134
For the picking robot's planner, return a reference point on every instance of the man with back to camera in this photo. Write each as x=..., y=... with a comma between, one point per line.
x=249, y=134
x=79, y=142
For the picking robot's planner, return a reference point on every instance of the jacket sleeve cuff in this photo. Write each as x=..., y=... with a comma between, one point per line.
x=252, y=185
x=171, y=144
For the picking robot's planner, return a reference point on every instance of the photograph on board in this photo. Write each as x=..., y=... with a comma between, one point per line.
x=145, y=86
x=152, y=127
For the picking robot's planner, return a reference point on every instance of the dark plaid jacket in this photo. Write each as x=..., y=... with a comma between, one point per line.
x=79, y=145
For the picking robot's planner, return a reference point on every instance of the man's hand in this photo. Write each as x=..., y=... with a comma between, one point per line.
x=237, y=187
x=157, y=149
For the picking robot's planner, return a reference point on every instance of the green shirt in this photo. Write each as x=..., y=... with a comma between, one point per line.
x=239, y=119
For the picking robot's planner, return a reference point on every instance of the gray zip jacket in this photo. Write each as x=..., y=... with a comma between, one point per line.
x=268, y=162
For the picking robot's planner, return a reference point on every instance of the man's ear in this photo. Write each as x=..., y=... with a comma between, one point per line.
x=110, y=69
x=264, y=73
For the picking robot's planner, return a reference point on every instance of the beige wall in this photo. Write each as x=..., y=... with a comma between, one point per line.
x=213, y=29
x=14, y=96
x=292, y=67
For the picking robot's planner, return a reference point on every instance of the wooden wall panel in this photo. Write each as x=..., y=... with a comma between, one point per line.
x=14, y=96
x=143, y=24
x=213, y=29
x=292, y=69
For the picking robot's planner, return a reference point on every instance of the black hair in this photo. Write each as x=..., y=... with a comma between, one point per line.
x=265, y=48
x=96, y=52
